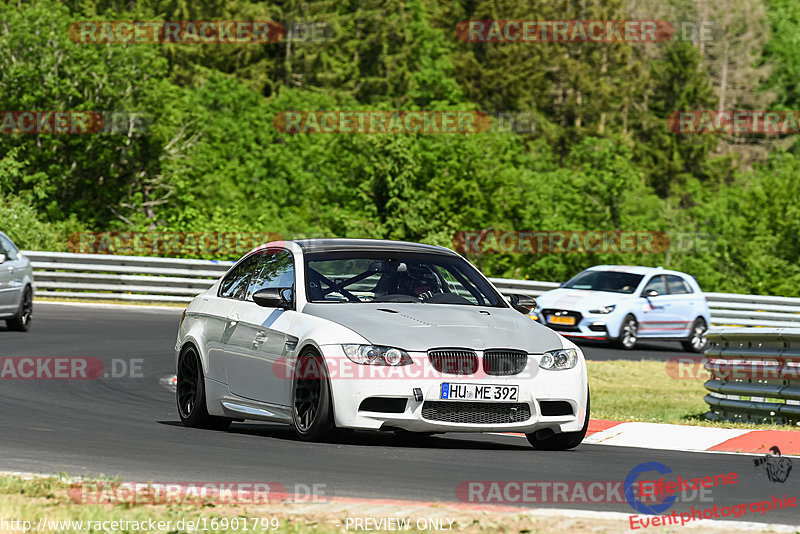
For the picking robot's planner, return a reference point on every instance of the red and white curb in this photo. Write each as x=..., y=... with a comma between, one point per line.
x=689, y=438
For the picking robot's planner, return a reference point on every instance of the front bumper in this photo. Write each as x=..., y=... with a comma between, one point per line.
x=536, y=385
x=596, y=326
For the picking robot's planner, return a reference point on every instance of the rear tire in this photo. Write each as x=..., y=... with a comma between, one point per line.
x=312, y=406
x=564, y=440
x=21, y=321
x=628, y=333
x=190, y=394
x=697, y=342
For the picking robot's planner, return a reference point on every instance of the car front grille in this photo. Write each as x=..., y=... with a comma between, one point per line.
x=504, y=362
x=476, y=413
x=454, y=361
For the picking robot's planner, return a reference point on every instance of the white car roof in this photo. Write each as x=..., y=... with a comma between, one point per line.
x=634, y=269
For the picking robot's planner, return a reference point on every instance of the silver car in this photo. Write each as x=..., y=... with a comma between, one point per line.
x=375, y=335
x=16, y=286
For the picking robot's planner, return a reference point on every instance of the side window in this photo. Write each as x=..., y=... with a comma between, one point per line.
x=677, y=285
x=275, y=269
x=7, y=248
x=234, y=285
x=657, y=284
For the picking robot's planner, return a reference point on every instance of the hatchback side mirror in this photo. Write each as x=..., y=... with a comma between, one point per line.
x=651, y=293
x=2, y=258
x=522, y=303
x=274, y=297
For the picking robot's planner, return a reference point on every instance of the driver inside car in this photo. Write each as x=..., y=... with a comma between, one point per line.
x=418, y=281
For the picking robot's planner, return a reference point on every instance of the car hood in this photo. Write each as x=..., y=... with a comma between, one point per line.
x=579, y=299
x=419, y=327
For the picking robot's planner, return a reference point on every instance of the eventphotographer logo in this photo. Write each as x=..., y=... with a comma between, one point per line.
x=778, y=467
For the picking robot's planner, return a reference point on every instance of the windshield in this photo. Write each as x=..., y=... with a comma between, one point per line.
x=612, y=281
x=396, y=277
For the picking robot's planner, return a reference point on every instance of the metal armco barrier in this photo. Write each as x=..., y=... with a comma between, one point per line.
x=127, y=278
x=175, y=280
x=755, y=375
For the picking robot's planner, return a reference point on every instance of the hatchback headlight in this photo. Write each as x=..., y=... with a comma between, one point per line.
x=375, y=355
x=604, y=309
x=559, y=359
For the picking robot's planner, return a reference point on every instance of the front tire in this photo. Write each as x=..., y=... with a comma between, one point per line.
x=312, y=407
x=190, y=394
x=564, y=440
x=21, y=321
x=697, y=342
x=628, y=333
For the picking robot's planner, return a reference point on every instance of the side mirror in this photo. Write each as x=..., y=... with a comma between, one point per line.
x=274, y=297
x=2, y=258
x=651, y=293
x=522, y=303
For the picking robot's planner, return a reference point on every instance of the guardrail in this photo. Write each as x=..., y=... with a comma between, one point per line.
x=755, y=375
x=127, y=278
x=175, y=280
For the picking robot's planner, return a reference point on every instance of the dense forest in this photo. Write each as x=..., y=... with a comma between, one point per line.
x=596, y=152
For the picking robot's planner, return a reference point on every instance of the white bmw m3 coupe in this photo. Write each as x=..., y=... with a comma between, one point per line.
x=329, y=334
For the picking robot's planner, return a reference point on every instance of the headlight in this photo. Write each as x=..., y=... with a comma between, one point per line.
x=604, y=309
x=559, y=359
x=374, y=355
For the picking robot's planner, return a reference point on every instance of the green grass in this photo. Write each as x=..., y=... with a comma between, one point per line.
x=625, y=390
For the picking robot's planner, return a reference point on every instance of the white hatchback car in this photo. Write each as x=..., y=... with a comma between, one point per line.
x=16, y=286
x=627, y=304
x=374, y=335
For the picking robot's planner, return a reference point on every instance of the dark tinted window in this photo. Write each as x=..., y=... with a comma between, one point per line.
x=616, y=282
x=677, y=285
x=275, y=269
x=656, y=283
x=234, y=285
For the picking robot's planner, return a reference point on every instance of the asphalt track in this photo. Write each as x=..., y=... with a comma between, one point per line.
x=128, y=427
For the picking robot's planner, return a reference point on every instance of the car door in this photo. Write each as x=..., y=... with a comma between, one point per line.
x=684, y=304
x=657, y=317
x=10, y=278
x=220, y=313
x=255, y=354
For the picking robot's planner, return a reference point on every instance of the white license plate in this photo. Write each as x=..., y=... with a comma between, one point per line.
x=481, y=392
